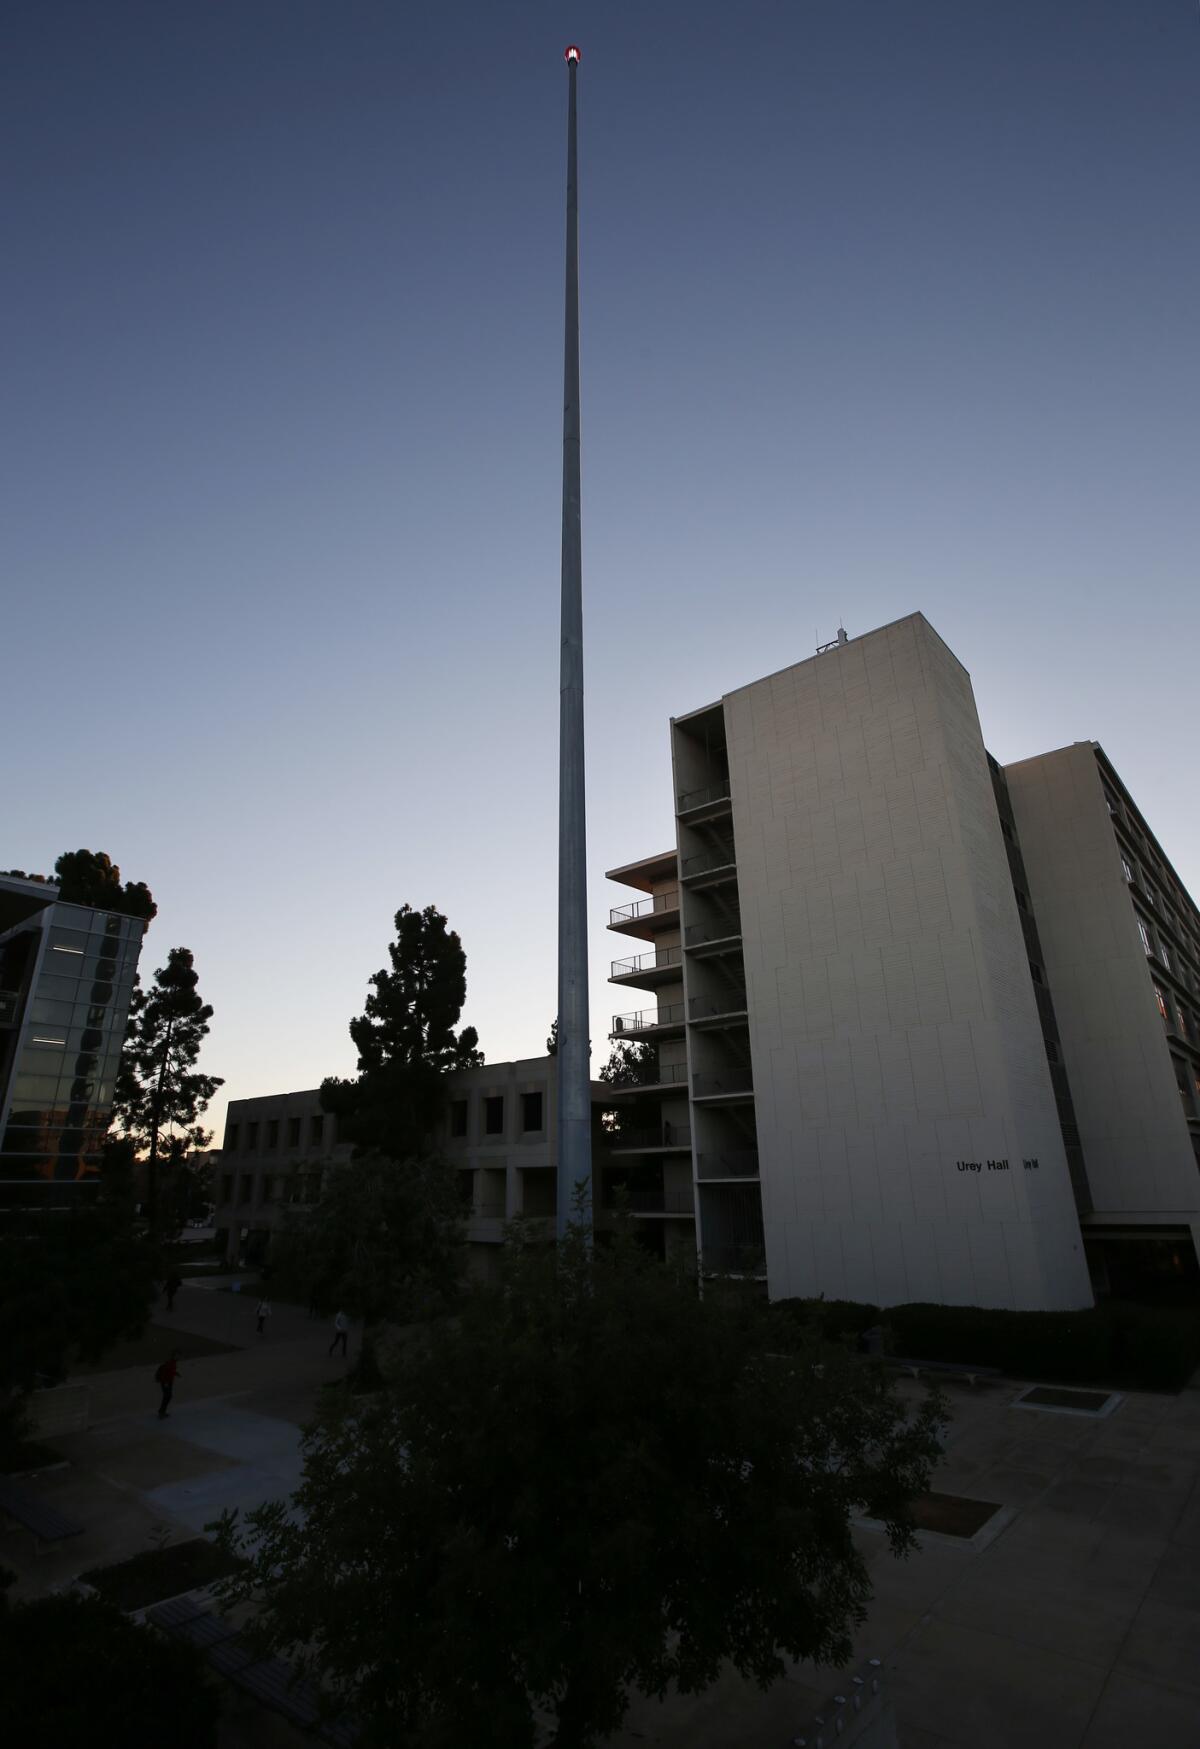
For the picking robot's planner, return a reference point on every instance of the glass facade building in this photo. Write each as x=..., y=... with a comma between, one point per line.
x=66, y=979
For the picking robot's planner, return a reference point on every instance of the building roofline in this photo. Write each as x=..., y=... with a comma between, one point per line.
x=639, y=874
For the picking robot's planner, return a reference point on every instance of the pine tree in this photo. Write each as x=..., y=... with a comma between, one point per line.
x=406, y=1042
x=160, y=1093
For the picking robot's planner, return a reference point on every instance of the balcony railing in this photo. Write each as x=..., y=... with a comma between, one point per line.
x=646, y=1019
x=708, y=1007
x=645, y=907
x=748, y=1259
x=651, y=1141
x=652, y=1075
x=706, y=1084
x=657, y=960
x=651, y=1202
x=696, y=934
x=700, y=798
x=705, y=861
x=728, y=1163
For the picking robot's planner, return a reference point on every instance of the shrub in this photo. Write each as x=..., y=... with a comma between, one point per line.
x=1152, y=1348
x=76, y=1673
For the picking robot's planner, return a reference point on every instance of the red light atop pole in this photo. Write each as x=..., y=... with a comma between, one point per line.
x=571, y=53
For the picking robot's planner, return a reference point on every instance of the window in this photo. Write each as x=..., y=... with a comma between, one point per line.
x=493, y=1115
x=293, y=1132
x=1145, y=935
x=227, y=1187
x=268, y=1189
x=531, y=1111
x=1128, y=870
x=1164, y=955
x=1162, y=1004
x=231, y=1134
x=1181, y=1017
x=316, y=1130
x=273, y=1133
x=251, y=1137
x=1052, y=1055
x=458, y=1117
x=245, y=1186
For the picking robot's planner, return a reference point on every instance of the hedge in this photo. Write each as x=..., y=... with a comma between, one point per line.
x=1120, y=1344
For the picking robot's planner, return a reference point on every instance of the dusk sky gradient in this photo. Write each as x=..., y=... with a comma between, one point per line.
x=885, y=307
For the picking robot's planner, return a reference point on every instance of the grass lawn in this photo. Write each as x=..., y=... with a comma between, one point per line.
x=151, y=1347
x=159, y=1573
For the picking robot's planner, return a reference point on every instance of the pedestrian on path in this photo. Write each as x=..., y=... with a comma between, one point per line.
x=341, y=1333
x=171, y=1287
x=262, y=1313
x=166, y=1375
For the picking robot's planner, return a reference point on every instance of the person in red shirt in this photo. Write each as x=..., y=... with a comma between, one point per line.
x=166, y=1375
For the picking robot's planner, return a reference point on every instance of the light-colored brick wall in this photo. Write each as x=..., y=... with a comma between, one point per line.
x=894, y=1030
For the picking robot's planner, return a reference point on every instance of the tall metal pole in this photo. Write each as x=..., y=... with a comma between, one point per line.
x=574, y=1069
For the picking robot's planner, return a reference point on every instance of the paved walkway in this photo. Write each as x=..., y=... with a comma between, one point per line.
x=1072, y=1621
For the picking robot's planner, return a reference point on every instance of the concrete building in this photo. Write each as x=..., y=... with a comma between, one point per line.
x=858, y=1060
x=66, y=978
x=1120, y=939
x=499, y=1139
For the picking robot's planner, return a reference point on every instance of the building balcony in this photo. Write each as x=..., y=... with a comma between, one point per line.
x=646, y=917
x=666, y=1204
x=728, y=1163
x=706, y=939
x=710, y=803
x=729, y=1086
x=716, y=1011
x=660, y=1078
x=649, y=970
x=663, y=1138
x=747, y=1260
x=665, y=1021
x=709, y=868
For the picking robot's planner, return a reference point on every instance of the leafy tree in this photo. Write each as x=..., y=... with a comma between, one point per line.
x=76, y=1673
x=598, y=1483
x=89, y=877
x=630, y=1065
x=160, y=1092
x=552, y=1040
x=406, y=1042
x=383, y=1242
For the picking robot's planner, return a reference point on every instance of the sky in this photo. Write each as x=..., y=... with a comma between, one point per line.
x=885, y=308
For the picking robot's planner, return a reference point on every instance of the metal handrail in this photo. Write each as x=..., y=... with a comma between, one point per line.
x=648, y=962
x=668, y=1135
x=697, y=933
x=731, y=1163
x=668, y=901
x=696, y=798
x=645, y=1018
x=704, y=861
x=651, y=1202
x=656, y=1075
x=705, y=1008
x=727, y=1081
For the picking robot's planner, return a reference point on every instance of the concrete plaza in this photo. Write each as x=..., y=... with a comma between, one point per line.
x=1070, y=1621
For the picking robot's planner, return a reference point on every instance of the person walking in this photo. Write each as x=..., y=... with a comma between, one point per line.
x=341, y=1333
x=171, y=1287
x=262, y=1313
x=165, y=1377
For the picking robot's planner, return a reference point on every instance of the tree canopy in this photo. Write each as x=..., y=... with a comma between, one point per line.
x=406, y=1042
x=90, y=877
x=160, y=1093
x=630, y=1065
x=588, y=1482
x=76, y=1673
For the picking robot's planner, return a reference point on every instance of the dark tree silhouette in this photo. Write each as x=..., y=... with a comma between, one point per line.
x=160, y=1092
